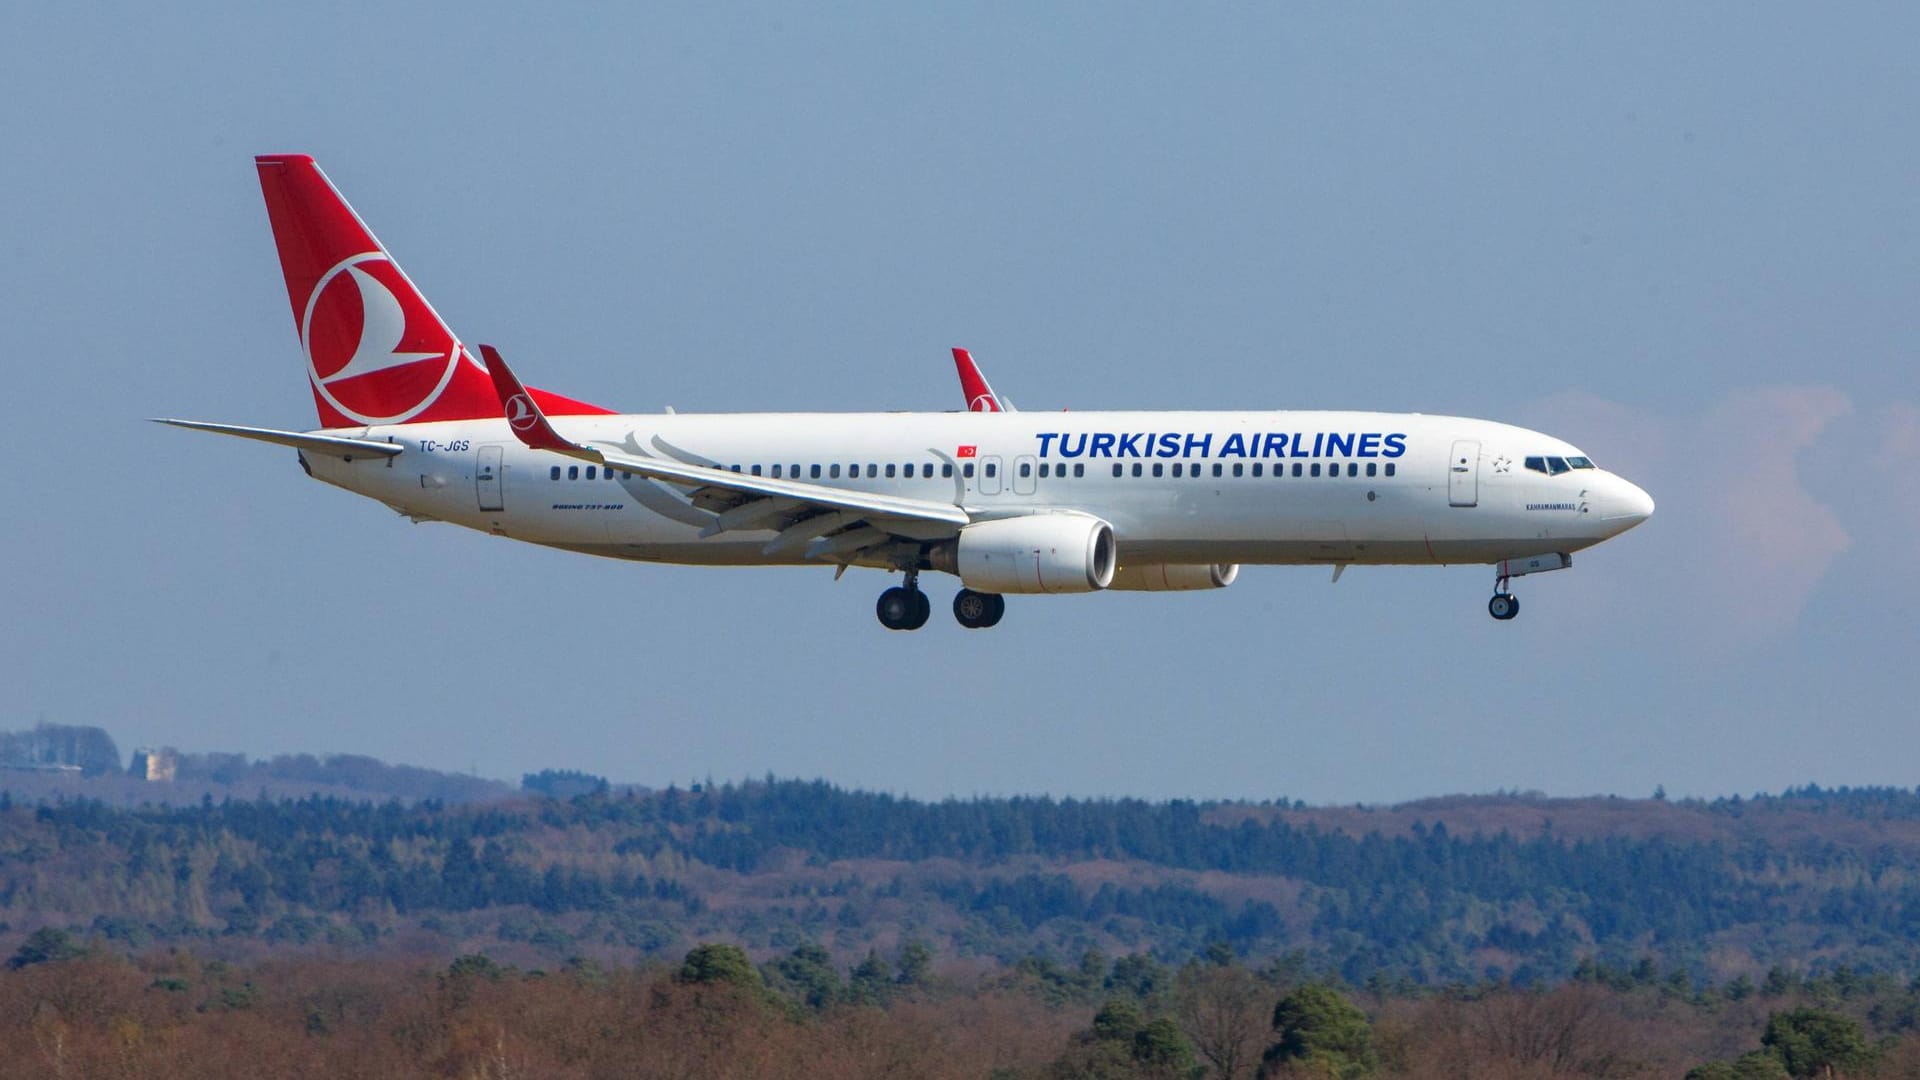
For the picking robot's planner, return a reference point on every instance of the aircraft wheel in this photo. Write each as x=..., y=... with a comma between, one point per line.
x=1503, y=606
x=902, y=609
x=978, y=610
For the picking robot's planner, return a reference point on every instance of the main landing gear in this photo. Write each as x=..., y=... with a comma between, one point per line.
x=905, y=607
x=978, y=610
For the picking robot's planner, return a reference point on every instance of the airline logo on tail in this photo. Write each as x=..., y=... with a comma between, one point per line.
x=980, y=396
x=368, y=356
x=376, y=351
x=521, y=413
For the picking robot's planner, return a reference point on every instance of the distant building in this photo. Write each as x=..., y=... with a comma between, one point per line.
x=155, y=765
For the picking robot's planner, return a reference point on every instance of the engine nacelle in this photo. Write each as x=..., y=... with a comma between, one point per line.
x=1174, y=577
x=1038, y=553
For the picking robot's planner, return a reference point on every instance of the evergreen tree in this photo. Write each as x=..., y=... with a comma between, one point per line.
x=1319, y=1027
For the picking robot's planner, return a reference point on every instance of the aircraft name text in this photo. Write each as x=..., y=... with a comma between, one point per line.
x=1179, y=444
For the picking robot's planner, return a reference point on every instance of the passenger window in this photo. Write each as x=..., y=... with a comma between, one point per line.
x=1117, y=470
x=946, y=471
x=1176, y=468
x=1296, y=469
x=1237, y=467
x=993, y=468
x=967, y=470
x=1156, y=468
x=833, y=472
x=1217, y=470
x=1079, y=471
x=1026, y=469
x=553, y=473
x=756, y=470
x=1316, y=468
x=1372, y=467
x=736, y=468
x=1353, y=468
x=793, y=471
x=1136, y=468
x=813, y=472
x=573, y=472
x=593, y=472
x=1256, y=469
x=926, y=471
x=776, y=472
x=1389, y=468
x=889, y=471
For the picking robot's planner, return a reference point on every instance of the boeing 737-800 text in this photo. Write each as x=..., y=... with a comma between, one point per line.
x=1008, y=502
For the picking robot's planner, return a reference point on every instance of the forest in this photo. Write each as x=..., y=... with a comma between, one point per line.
x=330, y=908
x=1515, y=888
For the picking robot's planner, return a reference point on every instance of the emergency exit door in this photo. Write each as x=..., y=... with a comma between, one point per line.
x=1463, y=474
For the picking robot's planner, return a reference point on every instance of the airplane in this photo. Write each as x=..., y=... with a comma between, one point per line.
x=1009, y=503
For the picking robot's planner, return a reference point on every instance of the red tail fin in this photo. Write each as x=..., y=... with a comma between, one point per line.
x=377, y=352
x=980, y=396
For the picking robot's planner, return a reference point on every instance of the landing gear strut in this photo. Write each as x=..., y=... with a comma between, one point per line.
x=1504, y=604
x=978, y=610
x=904, y=607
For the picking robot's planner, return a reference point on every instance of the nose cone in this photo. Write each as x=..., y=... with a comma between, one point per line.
x=1627, y=505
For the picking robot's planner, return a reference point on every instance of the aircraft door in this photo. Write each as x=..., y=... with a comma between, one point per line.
x=1463, y=474
x=990, y=475
x=487, y=479
x=1025, y=468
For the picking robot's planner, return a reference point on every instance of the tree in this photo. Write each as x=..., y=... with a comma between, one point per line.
x=1161, y=1050
x=1815, y=1042
x=714, y=963
x=1221, y=1009
x=808, y=975
x=916, y=963
x=872, y=979
x=44, y=946
x=1319, y=1027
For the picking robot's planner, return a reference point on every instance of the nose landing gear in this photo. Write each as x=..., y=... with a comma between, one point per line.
x=1504, y=604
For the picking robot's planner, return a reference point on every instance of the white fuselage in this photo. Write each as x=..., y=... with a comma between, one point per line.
x=1458, y=490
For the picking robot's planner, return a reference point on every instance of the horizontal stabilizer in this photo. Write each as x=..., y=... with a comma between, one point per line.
x=333, y=445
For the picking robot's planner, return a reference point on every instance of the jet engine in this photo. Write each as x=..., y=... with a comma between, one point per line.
x=1038, y=553
x=1174, y=577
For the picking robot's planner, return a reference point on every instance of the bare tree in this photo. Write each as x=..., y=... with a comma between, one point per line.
x=1224, y=1011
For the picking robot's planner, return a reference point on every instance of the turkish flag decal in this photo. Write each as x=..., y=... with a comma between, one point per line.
x=965, y=451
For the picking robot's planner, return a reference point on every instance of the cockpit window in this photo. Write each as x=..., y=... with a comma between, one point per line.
x=1554, y=466
x=1580, y=462
x=1557, y=465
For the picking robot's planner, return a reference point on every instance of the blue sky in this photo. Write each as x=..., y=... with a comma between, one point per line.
x=1683, y=237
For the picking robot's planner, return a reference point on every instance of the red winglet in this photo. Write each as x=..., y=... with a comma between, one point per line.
x=980, y=396
x=522, y=412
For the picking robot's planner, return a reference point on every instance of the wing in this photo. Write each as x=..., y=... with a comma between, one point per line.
x=828, y=523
